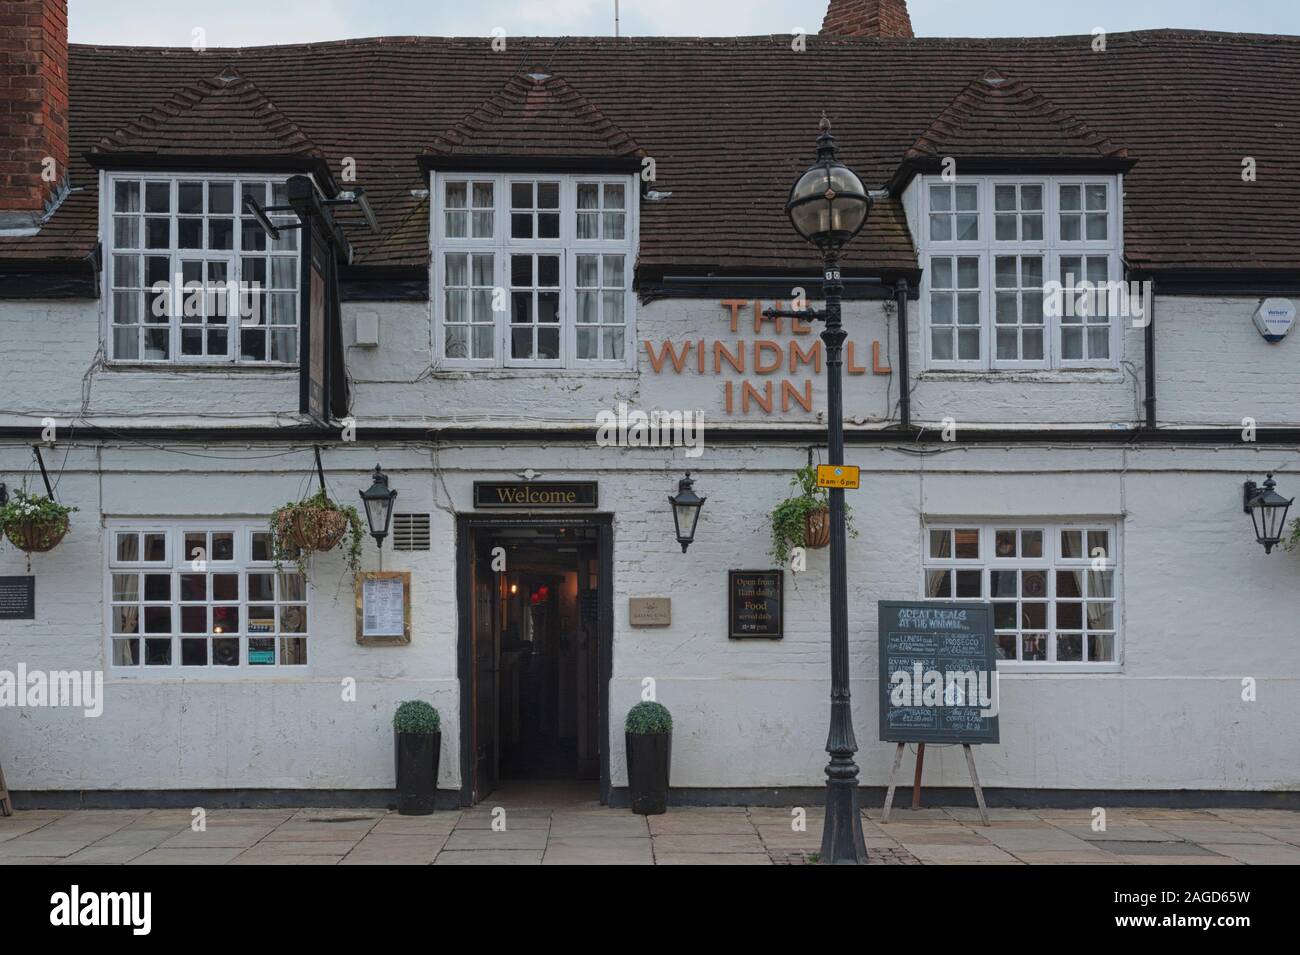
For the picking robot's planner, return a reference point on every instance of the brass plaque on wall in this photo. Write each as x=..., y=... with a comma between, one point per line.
x=650, y=611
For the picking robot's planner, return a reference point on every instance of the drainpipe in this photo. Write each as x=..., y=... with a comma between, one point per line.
x=905, y=394
x=1149, y=359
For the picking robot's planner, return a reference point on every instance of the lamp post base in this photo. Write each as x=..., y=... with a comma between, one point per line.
x=842, y=841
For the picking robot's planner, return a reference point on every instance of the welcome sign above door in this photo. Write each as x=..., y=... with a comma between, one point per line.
x=535, y=495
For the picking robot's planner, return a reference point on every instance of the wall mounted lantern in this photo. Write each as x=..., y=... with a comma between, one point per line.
x=686, y=510
x=378, y=500
x=1267, y=509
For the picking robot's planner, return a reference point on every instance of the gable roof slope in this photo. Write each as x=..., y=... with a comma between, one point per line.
x=535, y=115
x=225, y=117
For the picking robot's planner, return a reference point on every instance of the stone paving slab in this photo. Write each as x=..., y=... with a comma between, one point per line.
x=1160, y=850
x=712, y=858
x=583, y=833
x=710, y=842
x=218, y=837
x=491, y=857
x=185, y=857
x=694, y=822
x=465, y=839
x=1122, y=834
x=106, y=855
x=1259, y=855
x=565, y=824
x=598, y=851
x=962, y=855
x=1013, y=839
x=514, y=819
x=1066, y=857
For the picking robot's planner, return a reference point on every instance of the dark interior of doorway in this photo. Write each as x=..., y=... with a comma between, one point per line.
x=535, y=654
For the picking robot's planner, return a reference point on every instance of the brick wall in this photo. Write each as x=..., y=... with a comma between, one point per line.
x=33, y=101
x=882, y=18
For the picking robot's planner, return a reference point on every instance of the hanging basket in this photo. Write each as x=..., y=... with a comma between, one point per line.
x=313, y=529
x=817, y=529
x=37, y=537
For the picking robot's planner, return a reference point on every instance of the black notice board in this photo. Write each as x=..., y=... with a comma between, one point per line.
x=755, y=604
x=954, y=639
x=17, y=598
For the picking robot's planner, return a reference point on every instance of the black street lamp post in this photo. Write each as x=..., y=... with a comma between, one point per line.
x=828, y=206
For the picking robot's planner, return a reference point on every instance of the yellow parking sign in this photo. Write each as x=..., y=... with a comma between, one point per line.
x=843, y=476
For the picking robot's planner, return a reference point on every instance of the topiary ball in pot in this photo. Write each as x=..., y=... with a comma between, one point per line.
x=648, y=732
x=417, y=745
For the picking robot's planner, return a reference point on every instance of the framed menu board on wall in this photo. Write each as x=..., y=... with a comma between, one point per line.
x=383, y=608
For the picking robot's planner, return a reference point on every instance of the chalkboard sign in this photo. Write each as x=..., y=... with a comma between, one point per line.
x=755, y=604
x=17, y=598
x=937, y=673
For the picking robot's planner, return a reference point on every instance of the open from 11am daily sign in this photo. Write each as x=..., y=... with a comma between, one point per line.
x=754, y=604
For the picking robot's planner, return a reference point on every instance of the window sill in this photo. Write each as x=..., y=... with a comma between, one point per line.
x=1057, y=669
x=202, y=368
x=463, y=374
x=200, y=675
x=1045, y=375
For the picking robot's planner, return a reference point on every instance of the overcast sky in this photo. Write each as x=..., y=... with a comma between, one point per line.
x=253, y=22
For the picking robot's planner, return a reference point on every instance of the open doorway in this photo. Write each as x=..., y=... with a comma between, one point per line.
x=535, y=625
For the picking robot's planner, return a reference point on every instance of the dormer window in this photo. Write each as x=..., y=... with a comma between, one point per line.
x=534, y=271
x=190, y=278
x=1019, y=272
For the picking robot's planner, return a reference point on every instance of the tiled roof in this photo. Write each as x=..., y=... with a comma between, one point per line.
x=731, y=122
x=535, y=115
x=998, y=117
x=217, y=116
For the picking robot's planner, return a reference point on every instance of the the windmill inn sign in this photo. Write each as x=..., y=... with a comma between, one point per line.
x=773, y=372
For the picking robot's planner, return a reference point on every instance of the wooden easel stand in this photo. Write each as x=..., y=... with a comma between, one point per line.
x=916, y=781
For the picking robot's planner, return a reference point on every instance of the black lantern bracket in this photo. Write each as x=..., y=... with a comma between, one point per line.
x=1261, y=502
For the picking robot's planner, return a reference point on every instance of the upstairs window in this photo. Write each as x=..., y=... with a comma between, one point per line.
x=1020, y=272
x=534, y=271
x=192, y=279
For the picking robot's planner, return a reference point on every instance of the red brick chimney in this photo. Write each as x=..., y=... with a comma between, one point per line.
x=880, y=18
x=33, y=107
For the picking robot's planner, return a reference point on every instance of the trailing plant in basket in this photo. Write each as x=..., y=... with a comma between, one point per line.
x=34, y=523
x=790, y=517
x=315, y=525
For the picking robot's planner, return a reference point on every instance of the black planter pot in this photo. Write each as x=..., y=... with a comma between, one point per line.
x=417, y=771
x=649, y=757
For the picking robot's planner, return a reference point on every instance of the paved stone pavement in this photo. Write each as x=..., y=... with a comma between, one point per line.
x=586, y=833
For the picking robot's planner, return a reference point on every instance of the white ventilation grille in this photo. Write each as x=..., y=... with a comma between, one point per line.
x=410, y=532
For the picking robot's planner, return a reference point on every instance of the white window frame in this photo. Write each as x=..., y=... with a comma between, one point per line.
x=1050, y=248
x=175, y=565
x=568, y=246
x=288, y=247
x=1052, y=562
